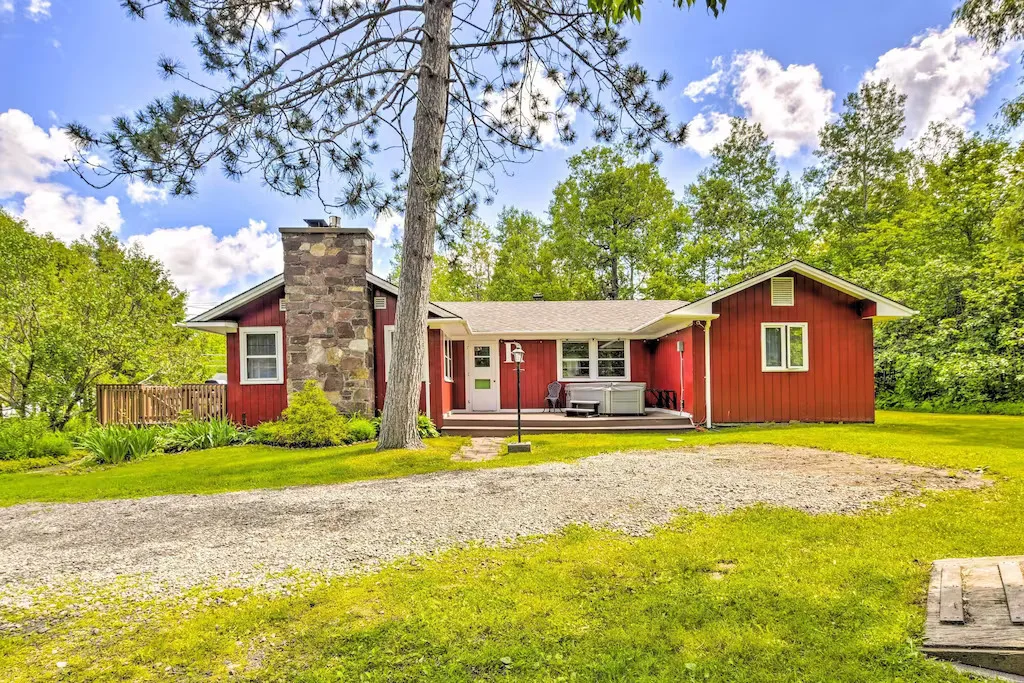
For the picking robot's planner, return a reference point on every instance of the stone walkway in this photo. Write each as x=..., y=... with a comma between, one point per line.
x=480, y=448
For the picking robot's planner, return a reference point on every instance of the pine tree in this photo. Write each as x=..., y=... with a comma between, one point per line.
x=306, y=94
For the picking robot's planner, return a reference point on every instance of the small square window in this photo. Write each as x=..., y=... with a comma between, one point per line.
x=482, y=356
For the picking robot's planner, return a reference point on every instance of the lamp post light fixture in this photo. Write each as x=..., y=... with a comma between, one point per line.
x=517, y=357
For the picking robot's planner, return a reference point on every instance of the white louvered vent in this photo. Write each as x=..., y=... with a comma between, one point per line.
x=380, y=303
x=280, y=304
x=782, y=291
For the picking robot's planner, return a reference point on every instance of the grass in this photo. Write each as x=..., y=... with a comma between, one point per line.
x=218, y=470
x=762, y=594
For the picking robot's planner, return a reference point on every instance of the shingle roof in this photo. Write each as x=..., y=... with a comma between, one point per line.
x=558, y=316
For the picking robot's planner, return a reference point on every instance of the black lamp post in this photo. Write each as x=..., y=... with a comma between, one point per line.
x=517, y=357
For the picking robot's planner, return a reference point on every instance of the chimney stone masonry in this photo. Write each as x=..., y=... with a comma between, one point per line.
x=328, y=313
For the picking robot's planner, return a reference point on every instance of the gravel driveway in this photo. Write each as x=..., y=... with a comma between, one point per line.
x=187, y=539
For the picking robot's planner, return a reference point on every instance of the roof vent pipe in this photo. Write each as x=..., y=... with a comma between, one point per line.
x=334, y=221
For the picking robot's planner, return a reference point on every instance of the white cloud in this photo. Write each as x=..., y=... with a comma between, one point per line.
x=705, y=132
x=55, y=43
x=791, y=103
x=68, y=216
x=204, y=264
x=387, y=232
x=39, y=9
x=141, y=192
x=532, y=104
x=29, y=154
x=6, y=5
x=698, y=90
x=943, y=73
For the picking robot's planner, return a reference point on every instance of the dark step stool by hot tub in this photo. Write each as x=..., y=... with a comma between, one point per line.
x=582, y=409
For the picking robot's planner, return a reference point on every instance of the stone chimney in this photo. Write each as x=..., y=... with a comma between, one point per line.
x=328, y=312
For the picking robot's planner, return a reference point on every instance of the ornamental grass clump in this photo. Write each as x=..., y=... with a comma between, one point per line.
x=115, y=444
x=189, y=434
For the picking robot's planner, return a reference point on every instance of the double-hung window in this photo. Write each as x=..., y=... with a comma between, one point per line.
x=261, y=355
x=784, y=347
x=594, y=359
x=448, y=365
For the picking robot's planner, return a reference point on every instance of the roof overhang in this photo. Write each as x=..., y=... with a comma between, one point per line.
x=392, y=288
x=236, y=302
x=214, y=326
x=218, y=312
x=884, y=308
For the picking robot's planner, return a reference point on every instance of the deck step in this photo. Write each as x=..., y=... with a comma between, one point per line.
x=593, y=427
x=569, y=422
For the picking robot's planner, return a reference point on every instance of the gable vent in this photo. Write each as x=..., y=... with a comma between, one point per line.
x=782, y=291
x=380, y=303
x=280, y=304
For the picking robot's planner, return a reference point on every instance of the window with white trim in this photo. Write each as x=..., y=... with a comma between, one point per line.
x=594, y=359
x=611, y=359
x=449, y=366
x=784, y=347
x=261, y=355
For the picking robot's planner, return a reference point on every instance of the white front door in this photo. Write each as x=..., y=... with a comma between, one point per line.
x=482, y=371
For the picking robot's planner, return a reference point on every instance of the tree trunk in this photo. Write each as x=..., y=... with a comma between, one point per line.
x=398, y=425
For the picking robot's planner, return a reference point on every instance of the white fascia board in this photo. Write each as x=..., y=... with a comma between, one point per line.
x=886, y=308
x=242, y=299
x=213, y=326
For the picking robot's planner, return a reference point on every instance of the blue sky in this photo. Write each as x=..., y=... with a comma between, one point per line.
x=785, y=64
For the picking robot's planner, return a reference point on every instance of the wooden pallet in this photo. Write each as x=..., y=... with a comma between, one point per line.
x=976, y=613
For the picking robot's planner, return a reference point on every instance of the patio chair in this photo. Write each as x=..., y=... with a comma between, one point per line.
x=554, y=397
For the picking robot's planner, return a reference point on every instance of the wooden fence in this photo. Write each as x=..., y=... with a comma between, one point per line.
x=140, y=404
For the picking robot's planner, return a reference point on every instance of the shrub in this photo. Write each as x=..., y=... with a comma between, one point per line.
x=426, y=427
x=310, y=420
x=115, y=444
x=193, y=435
x=361, y=429
x=30, y=437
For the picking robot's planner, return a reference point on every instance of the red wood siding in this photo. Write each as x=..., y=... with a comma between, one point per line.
x=385, y=316
x=459, y=375
x=440, y=391
x=839, y=383
x=255, y=403
x=681, y=373
x=540, y=368
x=640, y=361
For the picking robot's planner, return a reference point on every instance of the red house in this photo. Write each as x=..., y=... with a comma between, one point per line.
x=794, y=343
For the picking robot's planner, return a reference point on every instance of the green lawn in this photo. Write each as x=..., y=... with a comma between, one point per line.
x=225, y=469
x=828, y=598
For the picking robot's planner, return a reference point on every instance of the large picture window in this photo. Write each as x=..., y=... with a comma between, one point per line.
x=784, y=347
x=261, y=355
x=593, y=359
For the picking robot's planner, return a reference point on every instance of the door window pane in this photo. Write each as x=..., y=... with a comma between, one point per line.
x=796, y=347
x=773, y=347
x=482, y=356
x=482, y=384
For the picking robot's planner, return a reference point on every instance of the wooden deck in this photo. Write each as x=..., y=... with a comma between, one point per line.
x=504, y=424
x=976, y=613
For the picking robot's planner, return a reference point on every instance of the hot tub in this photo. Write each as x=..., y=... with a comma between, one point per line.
x=613, y=398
